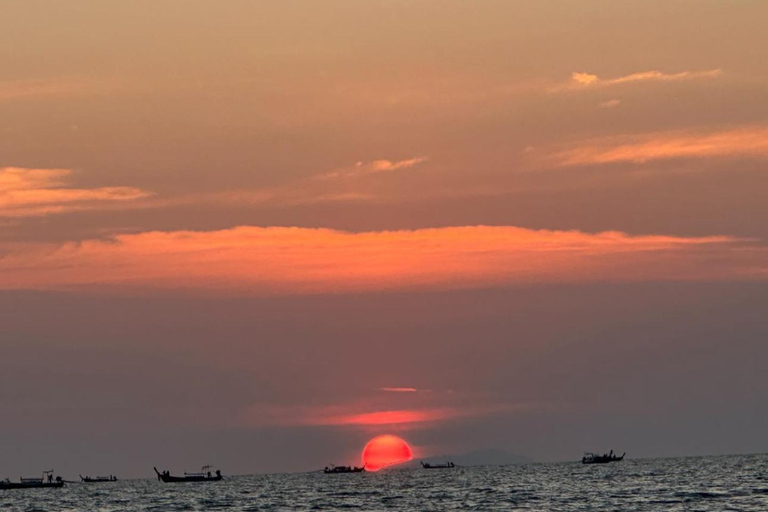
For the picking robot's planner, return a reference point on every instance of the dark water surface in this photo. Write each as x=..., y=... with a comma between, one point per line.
x=694, y=483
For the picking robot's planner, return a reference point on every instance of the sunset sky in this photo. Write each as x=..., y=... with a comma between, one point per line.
x=258, y=234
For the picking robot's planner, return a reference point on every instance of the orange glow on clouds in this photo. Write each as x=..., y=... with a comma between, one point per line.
x=375, y=167
x=264, y=261
x=37, y=192
x=643, y=76
x=386, y=450
x=356, y=415
x=746, y=142
x=349, y=184
x=392, y=417
x=581, y=80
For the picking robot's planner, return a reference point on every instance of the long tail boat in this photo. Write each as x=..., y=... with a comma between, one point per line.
x=97, y=479
x=45, y=482
x=205, y=475
x=596, y=458
x=343, y=469
x=447, y=465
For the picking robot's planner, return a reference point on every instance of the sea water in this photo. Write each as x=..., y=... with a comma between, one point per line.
x=692, y=483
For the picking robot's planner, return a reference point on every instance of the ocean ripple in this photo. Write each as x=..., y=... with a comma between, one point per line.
x=676, y=484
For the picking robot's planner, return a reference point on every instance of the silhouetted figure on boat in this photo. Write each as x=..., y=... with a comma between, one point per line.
x=97, y=479
x=45, y=481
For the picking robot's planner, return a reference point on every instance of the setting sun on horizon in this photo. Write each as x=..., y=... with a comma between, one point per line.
x=385, y=450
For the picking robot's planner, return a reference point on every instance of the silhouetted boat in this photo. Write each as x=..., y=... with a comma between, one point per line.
x=98, y=479
x=447, y=465
x=205, y=475
x=343, y=469
x=47, y=481
x=596, y=458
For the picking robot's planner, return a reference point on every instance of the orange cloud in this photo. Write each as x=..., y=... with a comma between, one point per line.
x=745, y=142
x=266, y=261
x=400, y=390
x=37, y=192
x=587, y=80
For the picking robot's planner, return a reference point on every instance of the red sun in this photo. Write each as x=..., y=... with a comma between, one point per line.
x=385, y=451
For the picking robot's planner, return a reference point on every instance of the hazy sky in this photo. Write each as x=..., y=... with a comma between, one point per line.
x=257, y=234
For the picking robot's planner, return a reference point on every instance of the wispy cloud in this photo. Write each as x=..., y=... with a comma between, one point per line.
x=399, y=390
x=582, y=80
x=393, y=417
x=268, y=261
x=358, y=416
x=59, y=87
x=745, y=142
x=38, y=192
x=343, y=185
x=374, y=167
x=610, y=104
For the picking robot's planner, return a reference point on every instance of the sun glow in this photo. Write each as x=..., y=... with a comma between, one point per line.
x=386, y=450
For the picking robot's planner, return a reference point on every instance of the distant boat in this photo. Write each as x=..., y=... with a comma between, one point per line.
x=46, y=481
x=343, y=469
x=447, y=465
x=596, y=458
x=98, y=479
x=205, y=475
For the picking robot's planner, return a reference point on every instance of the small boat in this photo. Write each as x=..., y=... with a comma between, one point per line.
x=204, y=475
x=343, y=469
x=447, y=465
x=45, y=482
x=596, y=458
x=98, y=479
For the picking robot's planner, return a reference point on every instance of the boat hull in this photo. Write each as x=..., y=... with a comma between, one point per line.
x=602, y=460
x=182, y=479
x=448, y=465
x=170, y=479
